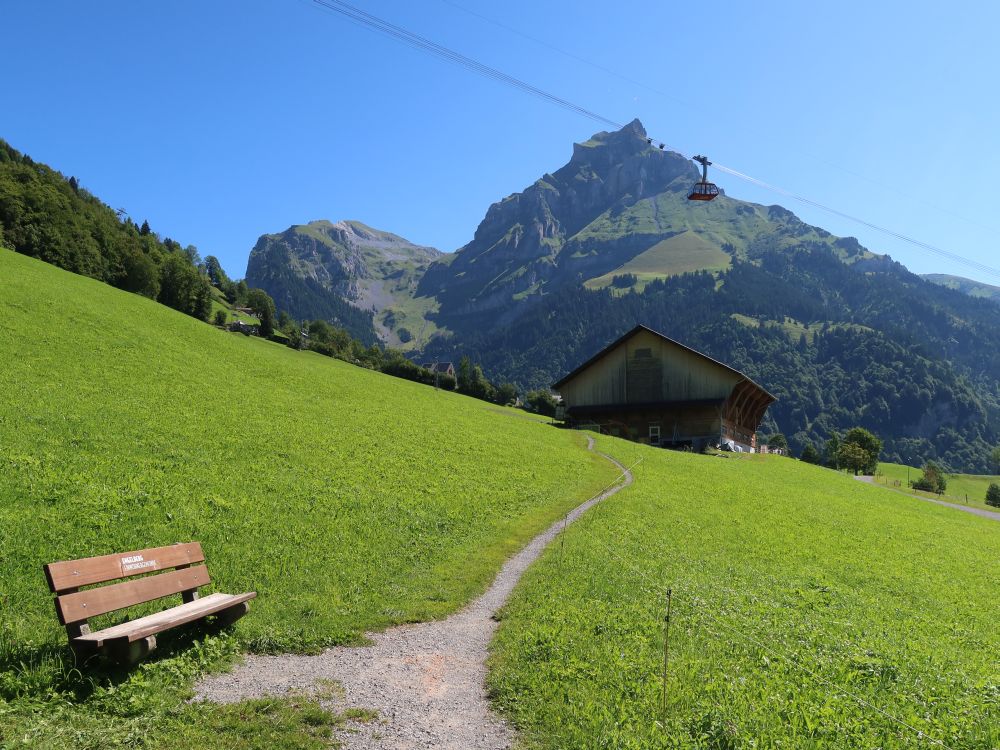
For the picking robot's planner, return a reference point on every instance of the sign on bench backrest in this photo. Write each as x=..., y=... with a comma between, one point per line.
x=74, y=606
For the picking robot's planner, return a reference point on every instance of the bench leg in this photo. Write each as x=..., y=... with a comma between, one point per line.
x=227, y=617
x=126, y=653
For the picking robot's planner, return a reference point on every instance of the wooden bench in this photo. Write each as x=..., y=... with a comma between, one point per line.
x=132, y=640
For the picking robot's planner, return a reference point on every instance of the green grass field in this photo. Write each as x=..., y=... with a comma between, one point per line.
x=965, y=489
x=682, y=253
x=349, y=500
x=794, y=589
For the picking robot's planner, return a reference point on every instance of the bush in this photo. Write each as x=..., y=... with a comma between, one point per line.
x=809, y=454
x=993, y=495
x=541, y=402
x=933, y=479
x=221, y=317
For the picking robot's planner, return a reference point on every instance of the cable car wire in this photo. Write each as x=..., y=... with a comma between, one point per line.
x=423, y=43
x=415, y=40
x=672, y=97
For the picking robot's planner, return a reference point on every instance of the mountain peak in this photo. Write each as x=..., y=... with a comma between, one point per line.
x=631, y=139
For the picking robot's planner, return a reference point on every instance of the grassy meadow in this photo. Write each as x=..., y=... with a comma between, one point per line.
x=798, y=593
x=682, y=253
x=965, y=489
x=349, y=500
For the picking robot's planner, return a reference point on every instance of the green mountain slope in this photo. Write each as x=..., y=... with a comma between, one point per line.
x=686, y=252
x=350, y=274
x=966, y=286
x=349, y=500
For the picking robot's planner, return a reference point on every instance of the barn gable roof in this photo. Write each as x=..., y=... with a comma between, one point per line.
x=640, y=328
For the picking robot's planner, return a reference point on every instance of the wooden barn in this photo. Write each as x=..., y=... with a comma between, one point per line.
x=651, y=389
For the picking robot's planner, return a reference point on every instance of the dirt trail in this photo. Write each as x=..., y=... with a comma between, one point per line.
x=975, y=511
x=426, y=681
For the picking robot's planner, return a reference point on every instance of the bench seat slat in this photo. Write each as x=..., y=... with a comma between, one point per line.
x=93, y=602
x=168, y=618
x=74, y=574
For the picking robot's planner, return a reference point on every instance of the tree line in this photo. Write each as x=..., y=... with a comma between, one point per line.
x=51, y=217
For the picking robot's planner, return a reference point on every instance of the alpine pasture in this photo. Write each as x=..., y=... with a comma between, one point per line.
x=349, y=500
x=966, y=489
x=808, y=610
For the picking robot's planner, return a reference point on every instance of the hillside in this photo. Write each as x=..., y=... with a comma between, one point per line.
x=807, y=611
x=349, y=500
x=966, y=286
x=346, y=273
x=46, y=215
x=304, y=480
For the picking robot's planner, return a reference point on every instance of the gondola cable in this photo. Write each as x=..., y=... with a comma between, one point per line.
x=378, y=24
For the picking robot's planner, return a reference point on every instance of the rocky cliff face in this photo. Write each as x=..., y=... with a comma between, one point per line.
x=322, y=269
x=532, y=238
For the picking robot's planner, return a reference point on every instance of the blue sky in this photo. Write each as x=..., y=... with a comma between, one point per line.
x=220, y=121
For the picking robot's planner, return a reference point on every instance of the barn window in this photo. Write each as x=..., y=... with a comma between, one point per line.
x=646, y=353
x=654, y=433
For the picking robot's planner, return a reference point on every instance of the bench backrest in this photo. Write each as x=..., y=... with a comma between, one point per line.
x=67, y=578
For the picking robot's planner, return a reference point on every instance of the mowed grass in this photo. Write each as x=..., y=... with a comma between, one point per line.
x=349, y=500
x=805, y=604
x=967, y=489
x=683, y=253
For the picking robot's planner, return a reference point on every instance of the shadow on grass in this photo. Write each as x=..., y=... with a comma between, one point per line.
x=39, y=671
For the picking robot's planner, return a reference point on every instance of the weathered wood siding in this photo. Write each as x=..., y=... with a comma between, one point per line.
x=646, y=369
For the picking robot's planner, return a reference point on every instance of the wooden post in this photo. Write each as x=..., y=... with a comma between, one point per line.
x=666, y=652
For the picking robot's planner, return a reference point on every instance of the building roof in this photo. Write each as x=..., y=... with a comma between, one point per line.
x=638, y=329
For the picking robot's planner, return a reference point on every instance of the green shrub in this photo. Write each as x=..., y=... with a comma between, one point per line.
x=933, y=479
x=993, y=495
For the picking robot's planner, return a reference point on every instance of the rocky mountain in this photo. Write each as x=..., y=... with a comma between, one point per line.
x=843, y=336
x=344, y=272
x=966, y=286
x=619, y=208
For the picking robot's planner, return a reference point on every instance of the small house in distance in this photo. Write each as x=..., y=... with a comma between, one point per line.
x=445, y=368
x=651, y=389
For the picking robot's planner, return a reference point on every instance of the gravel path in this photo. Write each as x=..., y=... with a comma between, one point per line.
x=975, y=511
x=426, y=681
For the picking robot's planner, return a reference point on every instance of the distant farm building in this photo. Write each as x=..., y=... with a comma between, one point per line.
x=651, y=389
x=239, y=326
x=445, y=368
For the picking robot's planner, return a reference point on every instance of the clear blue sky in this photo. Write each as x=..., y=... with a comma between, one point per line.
x=220, y=121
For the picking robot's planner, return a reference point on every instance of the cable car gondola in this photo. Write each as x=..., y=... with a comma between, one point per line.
x=704, y=190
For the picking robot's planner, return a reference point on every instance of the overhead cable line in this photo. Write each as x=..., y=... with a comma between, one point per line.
x=423, y=43
x=415, y=40
x=675, y=98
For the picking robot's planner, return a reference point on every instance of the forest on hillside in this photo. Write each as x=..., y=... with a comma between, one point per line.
x=48, y=216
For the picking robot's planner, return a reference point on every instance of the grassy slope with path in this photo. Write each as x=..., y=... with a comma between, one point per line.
x=349, y=500
x=965, y=489
x=892, y=599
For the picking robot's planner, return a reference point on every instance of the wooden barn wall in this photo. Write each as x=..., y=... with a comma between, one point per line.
x=671, y=373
